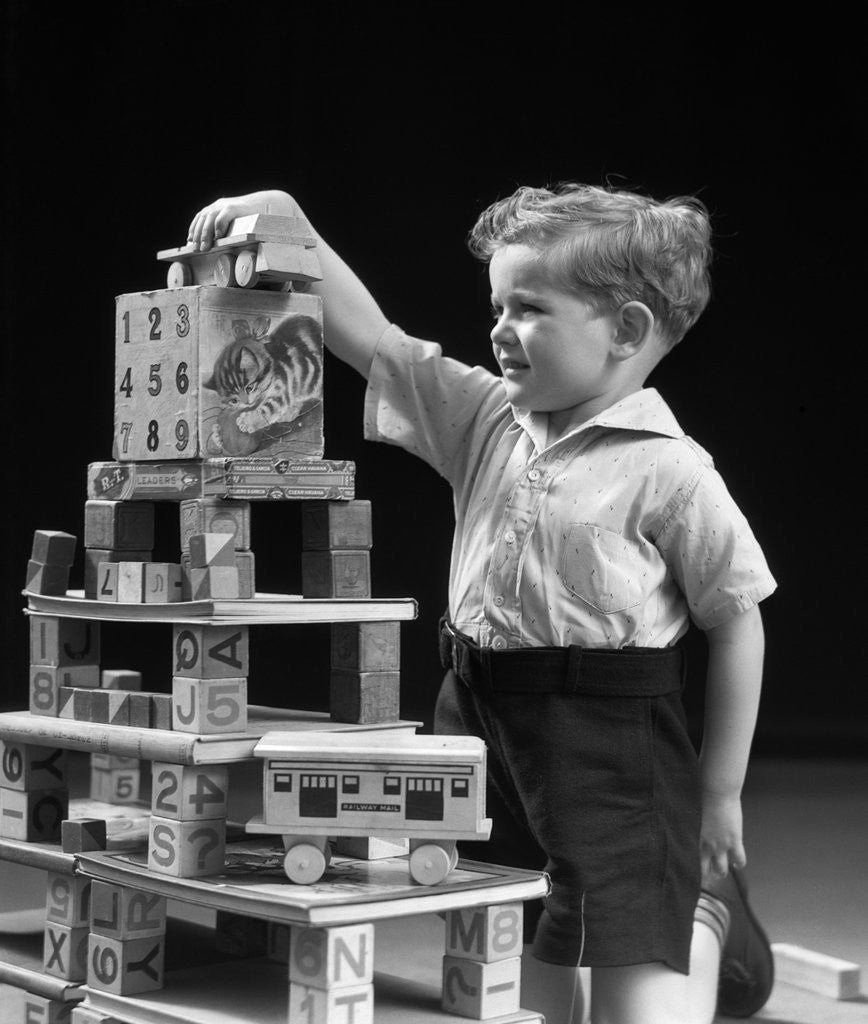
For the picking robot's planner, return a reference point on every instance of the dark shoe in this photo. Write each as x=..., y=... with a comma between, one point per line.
x=747, y=969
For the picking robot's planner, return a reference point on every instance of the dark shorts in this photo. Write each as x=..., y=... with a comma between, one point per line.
x=602, y=793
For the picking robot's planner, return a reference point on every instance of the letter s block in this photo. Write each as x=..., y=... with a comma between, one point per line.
x=186, y=849
x=210, y=652
x=485, y=933
x=332, y=957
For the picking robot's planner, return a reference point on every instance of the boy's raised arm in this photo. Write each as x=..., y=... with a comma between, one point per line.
x=353, y=320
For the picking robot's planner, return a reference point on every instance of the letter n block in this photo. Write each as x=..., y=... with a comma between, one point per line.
x=162, y=583
x=64, y=952
x=186, y=849
x=26, y=766
x=486, y=933
x=126, y=967
x=121, y=912
x=332, y=957
x=480, y=990
x=210, y=652
x=205, y=706
x=189, y=792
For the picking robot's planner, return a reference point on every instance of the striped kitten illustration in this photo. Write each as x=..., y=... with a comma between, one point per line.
x=264, y=379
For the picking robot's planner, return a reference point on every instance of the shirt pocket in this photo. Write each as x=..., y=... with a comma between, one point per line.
x=602, y=568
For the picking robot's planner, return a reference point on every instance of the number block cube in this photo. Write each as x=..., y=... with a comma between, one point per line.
x=326, y=525
x=479, y=990
x=64, y=952
x=126, y=967
x=215, y=515
x=212, y=372
x=119, y=525
x=63, y=642
x=121, y=912
x=210, y=652
x=336, y=573
x=486, y=933
x=351, y=1005
x=115, y=785
x=186, y=849
x=189, y=792
x=26, y=766
x=33, y=816
x=332, y=957
x=67, y=900
x=205, y=706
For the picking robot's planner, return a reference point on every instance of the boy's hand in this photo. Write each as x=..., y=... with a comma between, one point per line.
x=212, y=221
x=720, y=842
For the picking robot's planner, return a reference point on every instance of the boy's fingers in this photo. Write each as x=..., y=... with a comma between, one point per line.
x=194, y=230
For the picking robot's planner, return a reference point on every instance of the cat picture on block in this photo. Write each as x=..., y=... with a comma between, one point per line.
x=266, y=381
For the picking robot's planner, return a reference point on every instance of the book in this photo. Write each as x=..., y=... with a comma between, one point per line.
x=253, y=883
x=171, y=746
x=264, y=608
x=21, y=962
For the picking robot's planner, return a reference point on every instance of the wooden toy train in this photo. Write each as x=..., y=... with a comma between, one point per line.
x=428, y=789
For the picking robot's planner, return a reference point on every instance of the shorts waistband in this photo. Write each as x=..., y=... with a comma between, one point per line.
x=589, y=671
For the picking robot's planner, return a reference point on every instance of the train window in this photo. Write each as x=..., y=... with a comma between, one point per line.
x=282, y=782
x=350, y=783
x=461, y=787
x=392, y=785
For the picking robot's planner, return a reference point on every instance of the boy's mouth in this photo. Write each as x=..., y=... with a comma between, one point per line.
x=513, y=365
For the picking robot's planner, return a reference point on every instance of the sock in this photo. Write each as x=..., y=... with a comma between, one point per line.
x=715, y=914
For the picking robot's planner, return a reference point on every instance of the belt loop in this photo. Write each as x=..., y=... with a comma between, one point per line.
x=486, y=669
x=683, y=652
x=573, y=670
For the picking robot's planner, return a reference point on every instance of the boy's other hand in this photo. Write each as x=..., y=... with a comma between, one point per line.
x=720, y=843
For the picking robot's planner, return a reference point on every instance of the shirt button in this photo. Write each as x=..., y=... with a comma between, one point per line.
x=509, y=536
x=498, y=643
x=498, y=600
x=533, y=474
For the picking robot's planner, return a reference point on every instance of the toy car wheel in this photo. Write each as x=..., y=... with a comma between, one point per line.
x=245, y=269
x=224, y=270
x=179, y=275
x=430, y=864
x=304, y=863
x=453, y=860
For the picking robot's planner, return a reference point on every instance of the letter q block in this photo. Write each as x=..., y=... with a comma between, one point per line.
x=210, y=652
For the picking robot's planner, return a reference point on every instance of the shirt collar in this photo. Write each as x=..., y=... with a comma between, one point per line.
x=643, y=410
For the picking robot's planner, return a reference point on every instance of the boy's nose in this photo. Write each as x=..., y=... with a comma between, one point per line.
x=501, y=334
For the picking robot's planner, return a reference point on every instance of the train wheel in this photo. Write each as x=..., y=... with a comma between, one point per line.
x=430, y=864
x=245, y=269
x=304, y=863
x=179, y=275
x=453, y=860
x=224, y=270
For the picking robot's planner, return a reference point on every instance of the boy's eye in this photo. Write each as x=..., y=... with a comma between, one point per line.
x=495, y=312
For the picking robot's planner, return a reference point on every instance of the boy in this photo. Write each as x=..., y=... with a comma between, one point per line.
x=589, y=530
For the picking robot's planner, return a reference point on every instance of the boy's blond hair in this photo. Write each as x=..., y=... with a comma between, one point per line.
x=611, y=247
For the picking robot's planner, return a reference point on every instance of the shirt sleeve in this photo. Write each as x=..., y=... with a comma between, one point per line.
x=428, y=404
x=713, y=553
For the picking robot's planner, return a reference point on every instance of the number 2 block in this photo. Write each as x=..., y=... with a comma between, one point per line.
x=188, y=792
x=187, y=364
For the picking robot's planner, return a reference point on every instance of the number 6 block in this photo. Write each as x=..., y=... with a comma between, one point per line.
x=204, y=372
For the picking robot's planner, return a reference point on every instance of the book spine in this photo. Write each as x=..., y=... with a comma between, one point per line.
x=37, y=855
x=35, y=982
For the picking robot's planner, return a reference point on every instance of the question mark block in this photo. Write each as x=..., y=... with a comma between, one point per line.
x=26, y=766
x=162, y=583
x=63, y=642
x=34, y=816
x=64, y=951
x=126, y=966
x=189, y=792
x=186, y=849
x=485, y=933
x=210, y=652
x=332, y=957
x=67, y=900
x=479, y=990
x=351, y=1005
x=121, y=912
x=206, y=706
x=42, y=1010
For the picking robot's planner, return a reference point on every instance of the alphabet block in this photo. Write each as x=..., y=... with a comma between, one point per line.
x=51, y=580
x=64, y=952
x=53, y=547
x=336, y=574
x=186, y=849
x=79, y=835
x=212, y=549
x=479, y=990
x=94, y=556
x=332, y=957
x=326, y=525
x=121, y=679
x=119, y=525
x=63, y=642
x=366, y=646
x=107, y=581
x=131, y=582
x=33, y=816
x=162, y=583
x=486, y=933
x=351, y=1005
x=42, y=1010
x=214, y=515
x=116, y=785
x=46, y=680
x=26, y=766
x=120, y=912
x=211, y=652
x=214, y=582
x=364, y=697
x=205, y=706
x=189, y=792
x=173, y=348
x=67, y=899
x=126, y=967
x=245, y=563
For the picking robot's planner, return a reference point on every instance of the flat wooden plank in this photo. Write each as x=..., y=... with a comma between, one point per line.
x=817, y=972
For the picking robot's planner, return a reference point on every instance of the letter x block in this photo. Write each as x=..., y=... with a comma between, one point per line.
x=210, y=652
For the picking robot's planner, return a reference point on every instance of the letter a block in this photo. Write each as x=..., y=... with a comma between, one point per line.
x=205, y=706
x=332, y=957
x=485, y=933
x=186, y=849
x=126, y=967
x=210, y=652
x=120, y=912
x=478, y=990
x=189, y=792
x=351, y=1005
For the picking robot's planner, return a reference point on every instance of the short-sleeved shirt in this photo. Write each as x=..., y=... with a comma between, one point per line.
x=617, y=534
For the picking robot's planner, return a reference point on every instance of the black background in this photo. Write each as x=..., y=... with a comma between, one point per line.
x=394, y=126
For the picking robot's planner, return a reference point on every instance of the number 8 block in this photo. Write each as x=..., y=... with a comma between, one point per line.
x=204, y=372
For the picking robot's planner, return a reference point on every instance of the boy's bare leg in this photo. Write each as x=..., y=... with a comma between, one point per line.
x=551, y=989
x=656, y=994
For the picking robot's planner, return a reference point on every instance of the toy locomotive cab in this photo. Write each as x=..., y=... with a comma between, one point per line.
x=430, y=789
x=259, y=250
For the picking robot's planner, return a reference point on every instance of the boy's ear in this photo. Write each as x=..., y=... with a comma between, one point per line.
x=634, y=328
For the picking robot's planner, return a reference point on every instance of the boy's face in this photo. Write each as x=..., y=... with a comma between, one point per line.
x=552, y=348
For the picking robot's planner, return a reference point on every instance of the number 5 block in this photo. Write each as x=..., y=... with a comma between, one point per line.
x=210, y=372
